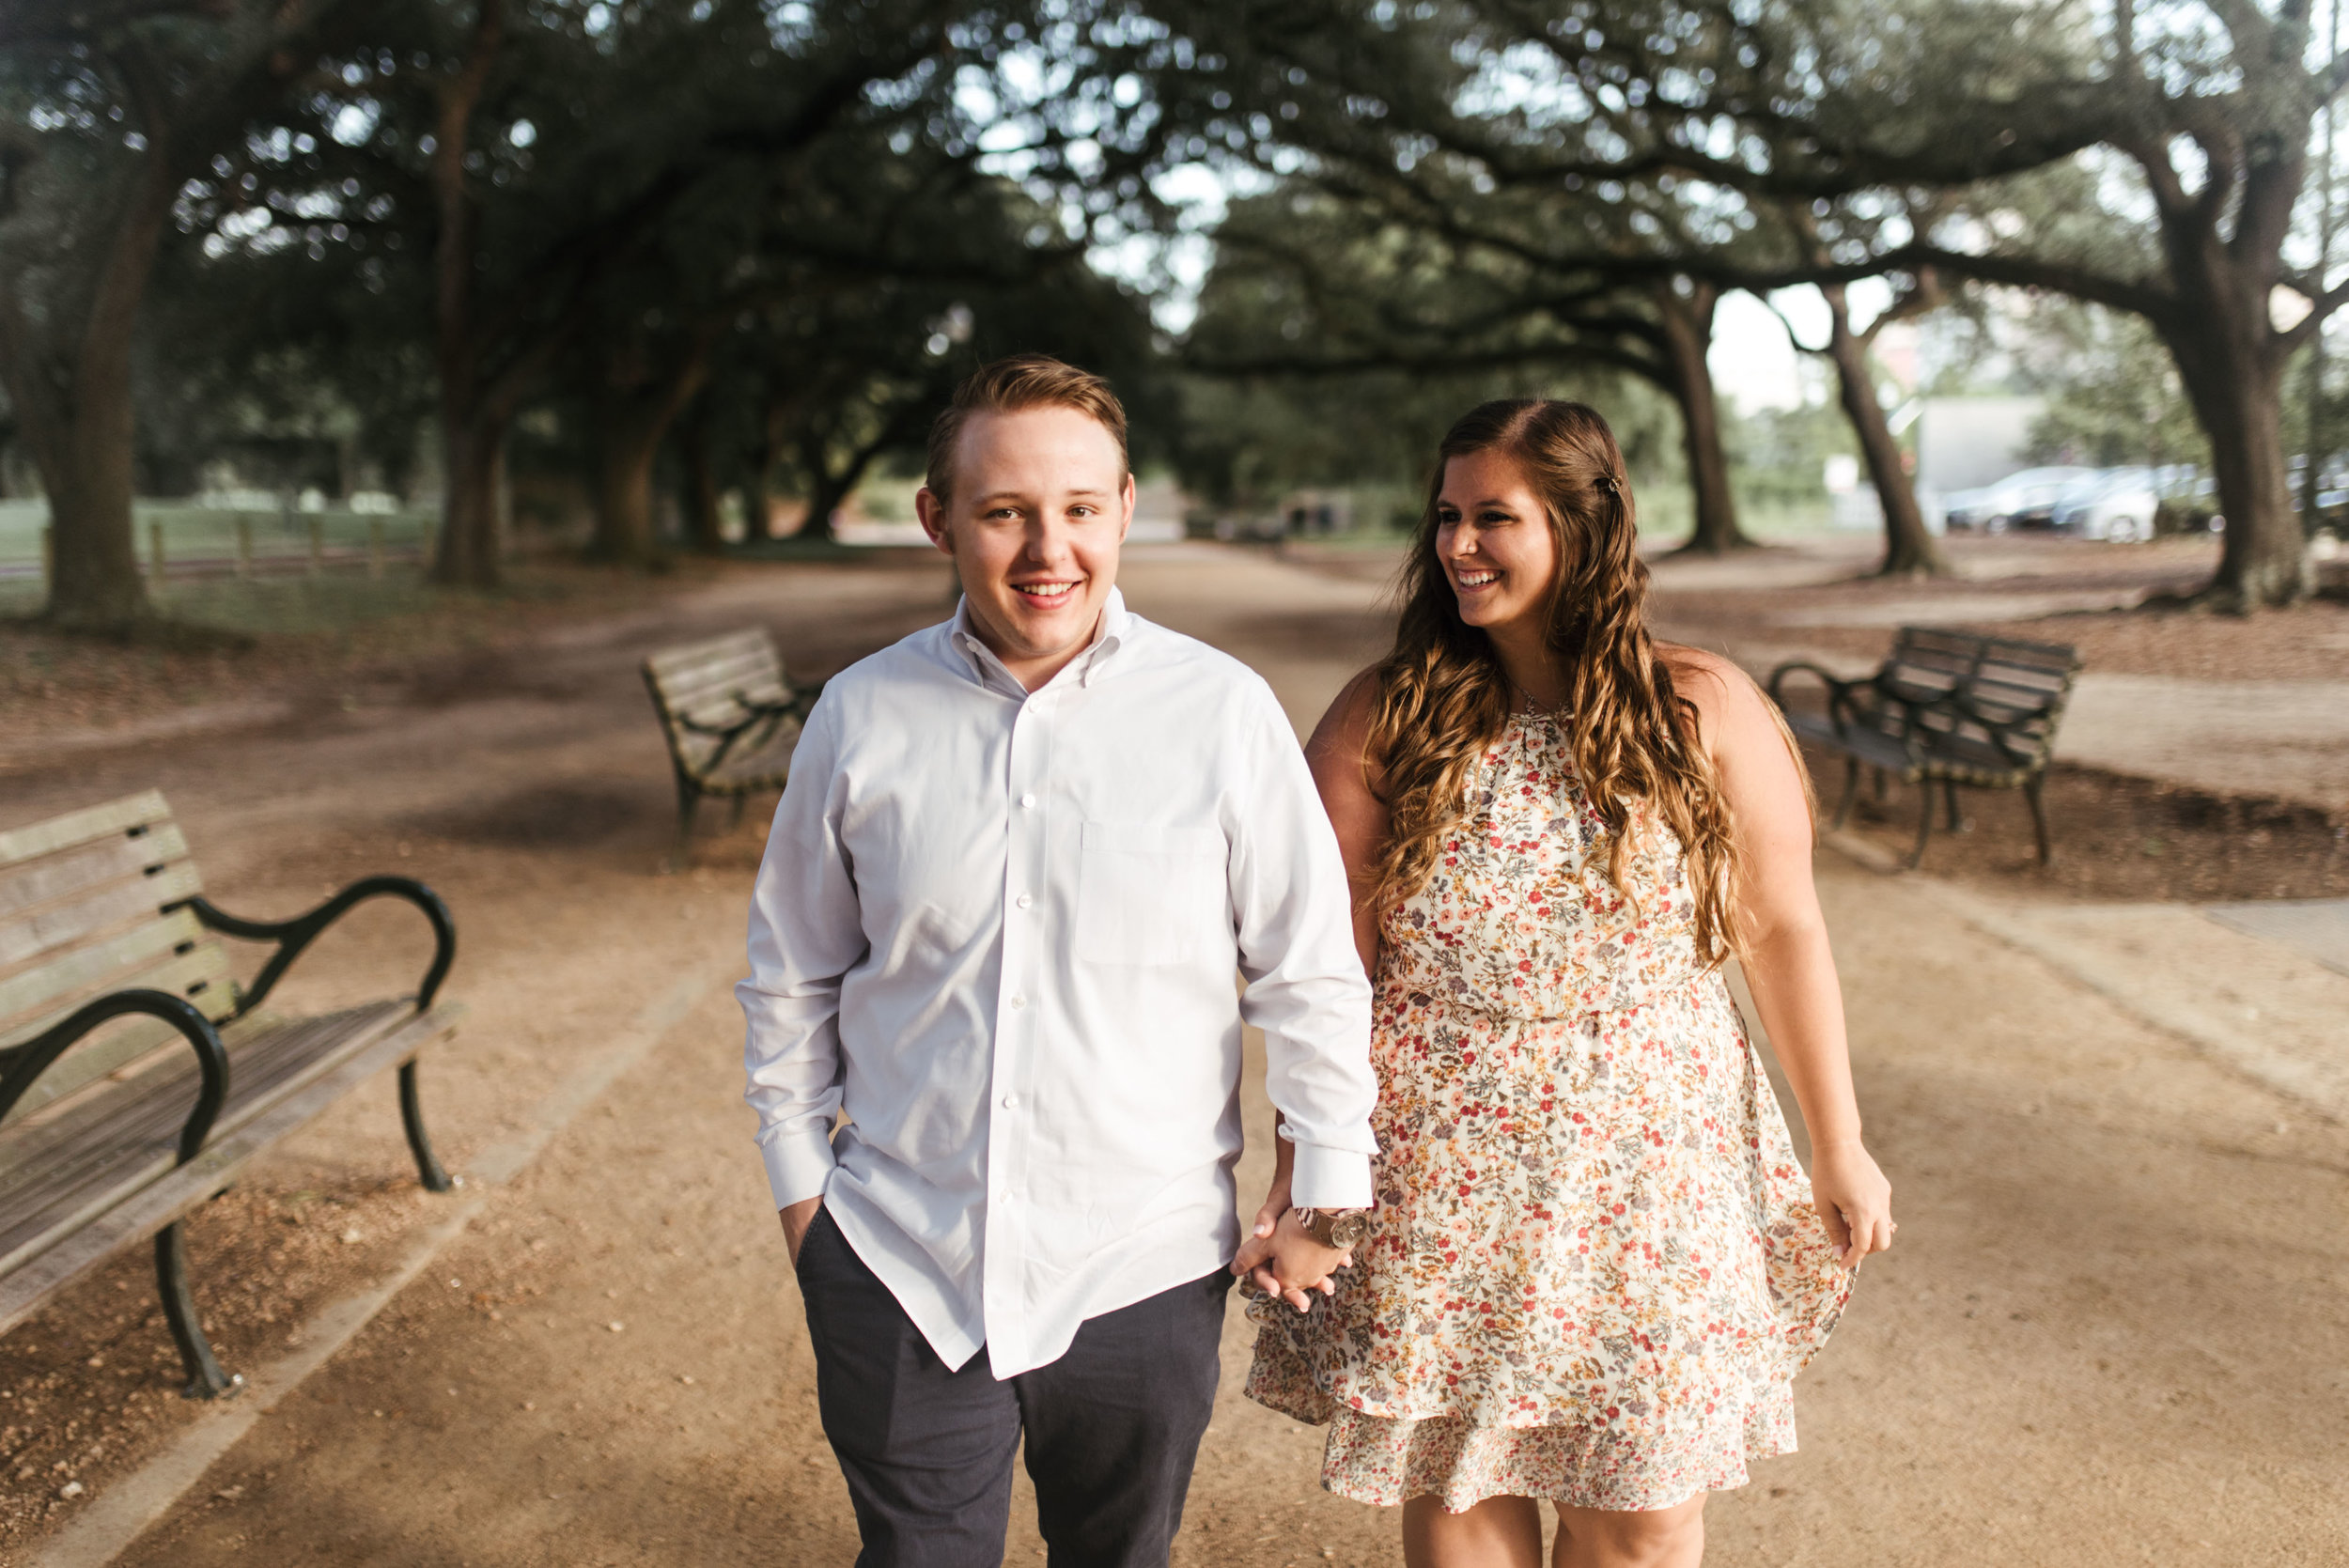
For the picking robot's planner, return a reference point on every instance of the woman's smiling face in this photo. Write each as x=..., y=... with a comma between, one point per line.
x=1494, y=538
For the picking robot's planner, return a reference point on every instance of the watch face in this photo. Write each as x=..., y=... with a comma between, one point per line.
x=1348, y=1230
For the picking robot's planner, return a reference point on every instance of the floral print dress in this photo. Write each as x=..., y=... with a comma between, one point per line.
x=1594, y=1267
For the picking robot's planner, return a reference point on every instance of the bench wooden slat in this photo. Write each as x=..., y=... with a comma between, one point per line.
x=23, y=1289
x=108, y=1053
x=685, y=654
x=746, y=678
x=32, y=883
x=759, y=686
x=55, y=1177
x=712, y=664
x=63, y=923
x=202, y=976
x=750, y=651
x=81, y=827
x=100, y=962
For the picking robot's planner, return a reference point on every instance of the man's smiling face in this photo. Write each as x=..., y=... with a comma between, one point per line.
x=1040, y=502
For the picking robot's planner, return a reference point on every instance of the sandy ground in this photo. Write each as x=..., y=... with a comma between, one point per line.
x=2113, y=1330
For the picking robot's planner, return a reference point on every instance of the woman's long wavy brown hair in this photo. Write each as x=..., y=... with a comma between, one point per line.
x=1443, y=698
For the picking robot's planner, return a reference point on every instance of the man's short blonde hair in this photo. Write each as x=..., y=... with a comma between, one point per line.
x=1010, y=385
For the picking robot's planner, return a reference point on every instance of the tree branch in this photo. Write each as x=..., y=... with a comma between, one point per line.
x=2018, y=271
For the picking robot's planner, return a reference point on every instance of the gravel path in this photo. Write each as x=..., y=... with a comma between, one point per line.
x=2112, y=1332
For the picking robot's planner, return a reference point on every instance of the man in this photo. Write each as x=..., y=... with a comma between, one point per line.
x=1019, y=857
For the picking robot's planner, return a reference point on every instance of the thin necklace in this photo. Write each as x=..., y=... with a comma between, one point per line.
x=1526, y=706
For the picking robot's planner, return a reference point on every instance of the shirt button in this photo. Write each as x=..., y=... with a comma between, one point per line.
x=1011, y=1102
x=1023, y=900
x=1027, y=802
x=1020, y=998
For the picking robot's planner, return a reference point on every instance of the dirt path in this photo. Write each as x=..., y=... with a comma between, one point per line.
x=2113, y=1329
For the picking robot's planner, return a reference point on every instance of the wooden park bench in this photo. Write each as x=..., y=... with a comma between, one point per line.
x=1947, y=707
x=136, y=1077
x=732, y=718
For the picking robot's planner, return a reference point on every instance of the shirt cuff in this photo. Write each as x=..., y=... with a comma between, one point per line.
x=798, y=1168
x=1327, y=1178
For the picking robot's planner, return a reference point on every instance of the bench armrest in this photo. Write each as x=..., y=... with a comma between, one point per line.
x=1840, y=704
x=770, y=715
x=1960, y=703
x=34, y=1056
x=1964, y=703
x=293, y=935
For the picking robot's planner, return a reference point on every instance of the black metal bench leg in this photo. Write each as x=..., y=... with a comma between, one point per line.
x=412, y=1117
x=2039, y=818
x=205, y=1378
x=1851, y=792
x=689, y=797
x=1924, y=825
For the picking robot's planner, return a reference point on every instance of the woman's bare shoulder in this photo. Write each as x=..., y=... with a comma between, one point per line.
x=1344, y=733
x=1712, y=681
x=1731, y=713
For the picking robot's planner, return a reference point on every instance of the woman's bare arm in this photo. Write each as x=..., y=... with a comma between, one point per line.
x=1348, y=778
x=1788, y=965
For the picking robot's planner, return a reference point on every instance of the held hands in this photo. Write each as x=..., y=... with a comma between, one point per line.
x=1279, y=1259
x=1853, y=1198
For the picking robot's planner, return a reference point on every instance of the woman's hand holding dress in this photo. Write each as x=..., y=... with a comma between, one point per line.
x=1787, y=963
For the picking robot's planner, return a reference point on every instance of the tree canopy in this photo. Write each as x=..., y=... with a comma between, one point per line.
x=750, y=242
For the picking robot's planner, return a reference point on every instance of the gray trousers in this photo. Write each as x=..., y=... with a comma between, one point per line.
x=1111, y=1427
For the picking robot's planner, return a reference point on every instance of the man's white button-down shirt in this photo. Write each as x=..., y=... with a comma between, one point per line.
x=998, y=930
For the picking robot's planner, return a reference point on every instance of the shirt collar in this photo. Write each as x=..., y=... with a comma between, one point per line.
x=1113, y=634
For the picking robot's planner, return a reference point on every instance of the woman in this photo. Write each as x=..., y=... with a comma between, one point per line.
x=1595, y=1266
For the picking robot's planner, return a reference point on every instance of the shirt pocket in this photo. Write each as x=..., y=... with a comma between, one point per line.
x=1148, y=894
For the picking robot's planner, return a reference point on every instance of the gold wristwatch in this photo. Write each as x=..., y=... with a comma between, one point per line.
x=1340, y=1229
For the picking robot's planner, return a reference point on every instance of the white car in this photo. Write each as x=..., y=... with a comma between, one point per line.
x=2119, y=510
x=2010, y=500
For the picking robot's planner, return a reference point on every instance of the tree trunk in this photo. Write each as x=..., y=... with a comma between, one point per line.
x=633, y=419
x=475, y=461
x=472, y=418
x=83, y=433
x=705, y=524
x=2234, y=378
x=825, y=493
x=1688, y=332
x=1910, y=550
x=625, y=535
x=96, y=586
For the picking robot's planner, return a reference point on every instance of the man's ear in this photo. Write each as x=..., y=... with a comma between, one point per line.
x=932, y=511
x=1125, y=502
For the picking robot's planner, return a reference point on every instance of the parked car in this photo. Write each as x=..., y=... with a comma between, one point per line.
x=2044, y=511
x=2031, y=493
x=2118, y=507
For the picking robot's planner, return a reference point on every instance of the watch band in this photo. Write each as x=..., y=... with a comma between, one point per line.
x=1339, y=1229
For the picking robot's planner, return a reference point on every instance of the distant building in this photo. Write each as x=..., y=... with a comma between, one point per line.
x=1966, y=443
